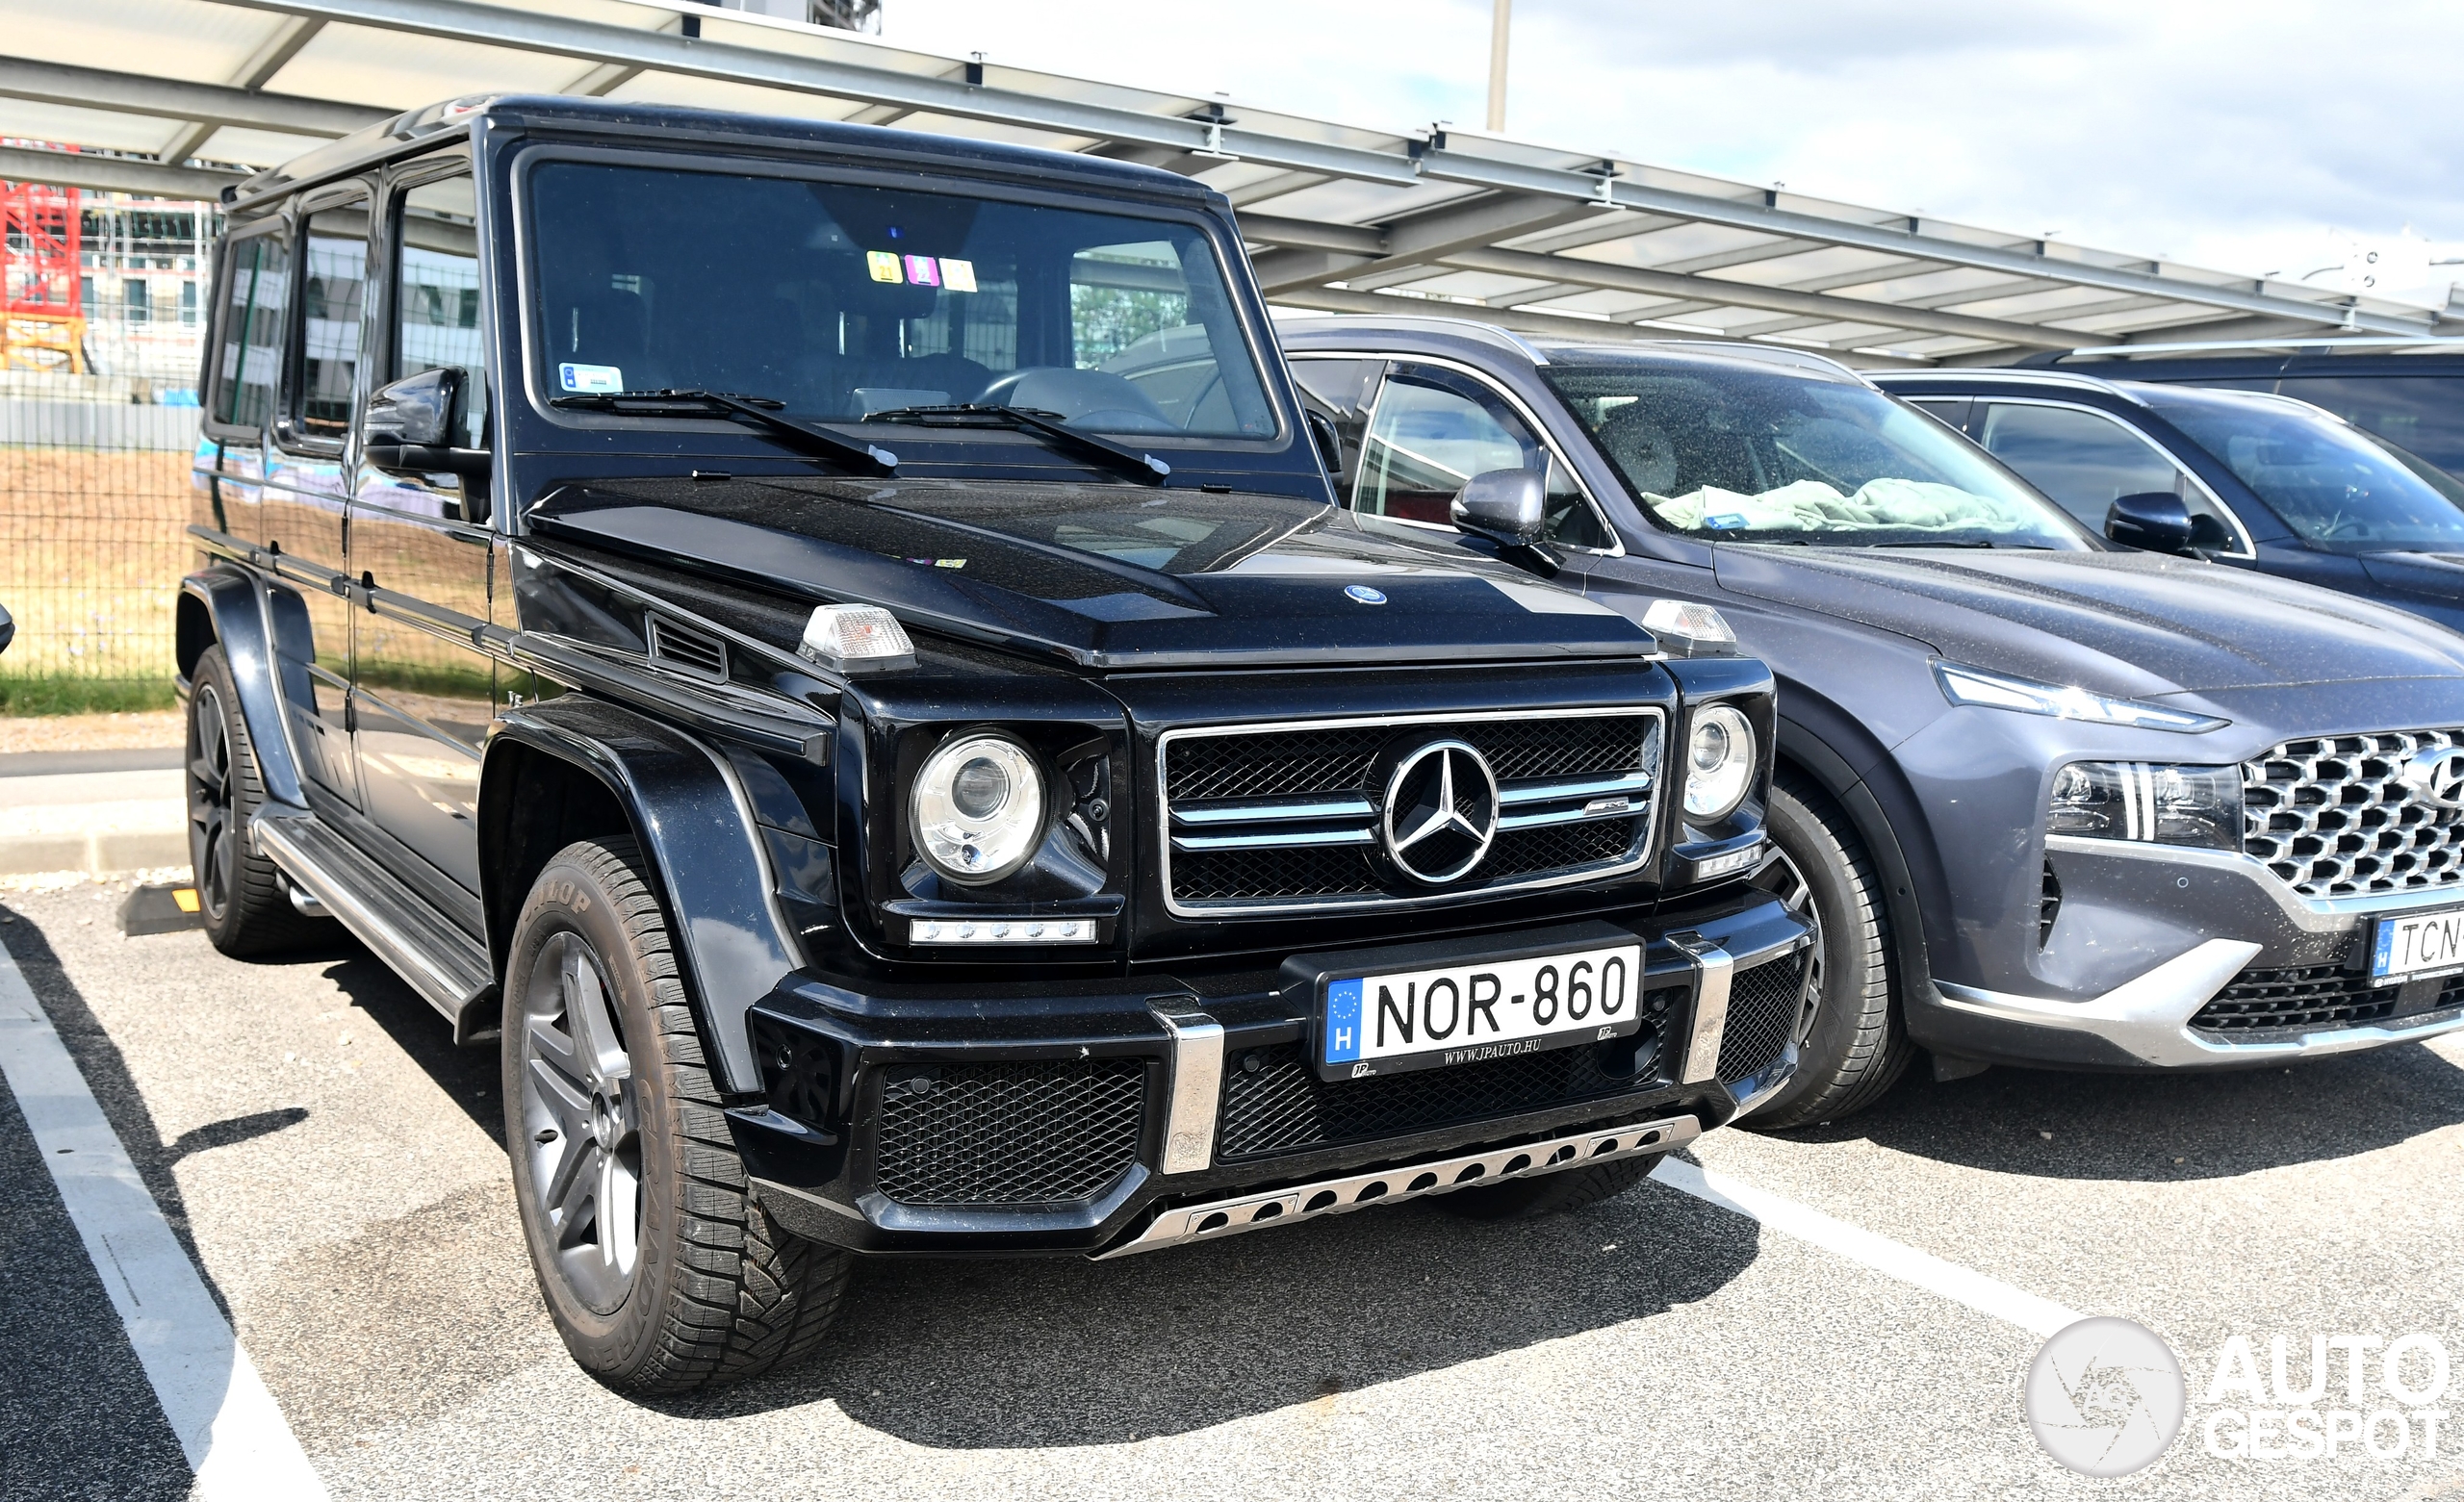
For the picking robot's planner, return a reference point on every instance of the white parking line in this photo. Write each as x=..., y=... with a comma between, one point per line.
x=1891, y=1259
x=233, y=1432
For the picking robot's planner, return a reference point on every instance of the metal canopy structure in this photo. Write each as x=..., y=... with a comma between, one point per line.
x=154, y=93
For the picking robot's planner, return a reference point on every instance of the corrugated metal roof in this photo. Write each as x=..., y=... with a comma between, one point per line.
x=1340, y=217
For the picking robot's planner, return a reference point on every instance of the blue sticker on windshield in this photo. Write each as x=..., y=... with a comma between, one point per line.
x=592, y=378
x=1726, y=522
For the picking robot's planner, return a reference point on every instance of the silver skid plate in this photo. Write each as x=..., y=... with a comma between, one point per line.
x=1215, y=1218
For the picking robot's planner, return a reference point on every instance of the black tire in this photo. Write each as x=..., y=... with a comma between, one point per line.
x=715, y=1291
x=241, y=895
x=1550, y=1194
x=1851, y=1044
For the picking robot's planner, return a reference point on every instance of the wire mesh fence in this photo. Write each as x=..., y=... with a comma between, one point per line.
x=93, y=498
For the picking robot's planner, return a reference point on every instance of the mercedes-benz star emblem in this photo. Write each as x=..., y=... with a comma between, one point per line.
x=1441, y=812
x=2438, y=775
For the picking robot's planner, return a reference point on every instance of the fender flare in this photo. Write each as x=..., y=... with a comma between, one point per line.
x=1879, y=809
x=688, y=809
x=233, y=606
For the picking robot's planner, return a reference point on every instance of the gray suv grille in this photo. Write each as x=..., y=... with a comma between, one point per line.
x=1267, y=819
x=2333, y=816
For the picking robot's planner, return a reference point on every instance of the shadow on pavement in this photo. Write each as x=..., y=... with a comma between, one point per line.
x=1067, y=1352
x=2164, y=1127
x=468, y=1074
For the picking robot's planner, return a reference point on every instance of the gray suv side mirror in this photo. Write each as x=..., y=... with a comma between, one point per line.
x=1507, y=506
x=7, y=629
x=2154, y=520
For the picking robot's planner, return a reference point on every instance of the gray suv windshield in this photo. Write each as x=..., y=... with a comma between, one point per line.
x=840, y=301
x=2338, y=487
x=1722, y=451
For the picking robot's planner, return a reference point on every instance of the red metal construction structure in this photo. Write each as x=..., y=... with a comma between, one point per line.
x=43, y=319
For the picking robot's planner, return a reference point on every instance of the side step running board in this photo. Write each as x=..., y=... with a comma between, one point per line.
x=1215, y=1219
x=440, y=961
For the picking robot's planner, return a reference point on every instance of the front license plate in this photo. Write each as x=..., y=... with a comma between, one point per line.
x=1461, y=1014
x=2418, y=944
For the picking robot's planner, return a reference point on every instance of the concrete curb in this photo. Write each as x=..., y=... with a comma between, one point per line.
x=104, y=852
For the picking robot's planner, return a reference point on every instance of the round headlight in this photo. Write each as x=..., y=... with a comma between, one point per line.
x=978, y=809
x=1719, y=762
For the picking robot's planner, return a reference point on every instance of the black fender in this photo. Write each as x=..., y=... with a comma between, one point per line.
x=1880, y=806
x=690, y=814
x=228, y=605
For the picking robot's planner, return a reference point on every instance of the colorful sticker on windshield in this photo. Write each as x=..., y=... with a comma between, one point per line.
x=592, y=378
x=1726, y=522
x=958, y=276
x=884, y=264
x=923, y=272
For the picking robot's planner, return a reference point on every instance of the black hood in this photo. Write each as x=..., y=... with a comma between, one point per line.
x=2131, y=624
x=1104, y=576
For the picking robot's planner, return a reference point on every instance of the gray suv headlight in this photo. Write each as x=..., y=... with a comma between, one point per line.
x=978, y=809
x=1719, y=762
x=2150, y=802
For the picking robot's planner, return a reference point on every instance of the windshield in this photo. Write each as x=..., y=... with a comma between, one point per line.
x=843, y=301
x=1718, y=449
x=2333, y=484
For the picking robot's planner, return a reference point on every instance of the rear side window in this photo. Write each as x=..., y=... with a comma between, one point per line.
x=332, y=300
x=247, y=375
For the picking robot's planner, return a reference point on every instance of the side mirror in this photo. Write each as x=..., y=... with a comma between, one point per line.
x=1507, y=506
x=2154, y=520
x=409, y=432
x=7, y=629
x=415, y=410
x=1331, y=444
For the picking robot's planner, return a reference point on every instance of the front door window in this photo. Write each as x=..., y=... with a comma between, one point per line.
x=1433, y=429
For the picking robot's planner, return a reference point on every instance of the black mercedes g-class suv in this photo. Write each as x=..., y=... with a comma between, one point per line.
x=837, y=645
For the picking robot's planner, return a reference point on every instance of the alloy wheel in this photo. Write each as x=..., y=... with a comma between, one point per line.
x=1779, y=876
x=211, y=853
x=582, y=1123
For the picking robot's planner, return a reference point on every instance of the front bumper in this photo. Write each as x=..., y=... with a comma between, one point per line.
x=2205, y=927
x=1076, y=1119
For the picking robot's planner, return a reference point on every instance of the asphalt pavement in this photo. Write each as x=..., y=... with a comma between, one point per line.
x=333, y=1164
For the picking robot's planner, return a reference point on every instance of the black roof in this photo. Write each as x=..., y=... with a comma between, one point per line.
x=431, y=125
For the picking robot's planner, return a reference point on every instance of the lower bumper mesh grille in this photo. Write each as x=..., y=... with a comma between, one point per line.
x=1763, y=1005
x=2312, y=996
x=1036, y=1132
x=1274, y=1102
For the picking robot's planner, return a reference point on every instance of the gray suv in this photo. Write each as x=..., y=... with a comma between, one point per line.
x=2050, y=802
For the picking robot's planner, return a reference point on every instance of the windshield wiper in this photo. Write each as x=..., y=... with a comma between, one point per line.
x=1134, y=463
x=761, y=411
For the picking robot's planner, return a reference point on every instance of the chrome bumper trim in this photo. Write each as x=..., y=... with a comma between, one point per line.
x=2310, y=914
x=1196, y=1089
x=2148, y=1016
x=1714, y=969
x=1215, y=1219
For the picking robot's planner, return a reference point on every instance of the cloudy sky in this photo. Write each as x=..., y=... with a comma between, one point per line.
x=2259, y=136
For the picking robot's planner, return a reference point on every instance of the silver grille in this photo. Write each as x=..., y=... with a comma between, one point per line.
x=2333, y=817
x=1264, y=818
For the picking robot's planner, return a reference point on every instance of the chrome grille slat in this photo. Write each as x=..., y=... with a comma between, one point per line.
x=2332, y=816
x=1237, y=796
